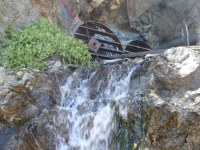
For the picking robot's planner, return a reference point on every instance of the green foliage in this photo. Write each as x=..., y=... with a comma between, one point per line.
x=18, y=119
x=94, y=64
x=125, y=132
x=38, y=41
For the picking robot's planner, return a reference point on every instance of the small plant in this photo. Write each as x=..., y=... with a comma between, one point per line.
x=17, y=120
x=95, y=64
x=39, y=40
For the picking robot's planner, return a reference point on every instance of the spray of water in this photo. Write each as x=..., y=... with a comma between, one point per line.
x=91, y=121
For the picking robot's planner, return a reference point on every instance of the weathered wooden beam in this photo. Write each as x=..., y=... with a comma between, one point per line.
x=197, y=47
x=138, y=54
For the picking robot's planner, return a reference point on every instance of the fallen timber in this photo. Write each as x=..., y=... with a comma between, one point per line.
x=138, y=54
x=197, y=47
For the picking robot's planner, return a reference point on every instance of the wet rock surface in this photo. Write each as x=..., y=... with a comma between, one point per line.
x=27, y=100
x=160, y=109
x=171, y=101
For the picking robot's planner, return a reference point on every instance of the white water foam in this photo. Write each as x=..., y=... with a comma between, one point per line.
x=91, y=129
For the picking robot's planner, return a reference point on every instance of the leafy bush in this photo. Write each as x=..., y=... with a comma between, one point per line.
x=38, y=41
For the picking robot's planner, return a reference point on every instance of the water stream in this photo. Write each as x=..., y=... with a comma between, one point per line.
x=91, y=114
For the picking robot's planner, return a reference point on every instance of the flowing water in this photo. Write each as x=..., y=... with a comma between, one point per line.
x=89, y=102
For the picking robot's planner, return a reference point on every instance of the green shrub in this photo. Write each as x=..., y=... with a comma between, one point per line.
x=38, y=41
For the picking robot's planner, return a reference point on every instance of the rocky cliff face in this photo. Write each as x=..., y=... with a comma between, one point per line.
x=60, y=12
x=160, y=110
x=162, y=24
x=161, y=21
x=17, y=13
x=174, y=118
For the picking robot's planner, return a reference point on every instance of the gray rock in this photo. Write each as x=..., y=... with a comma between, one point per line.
x=54, y=67
x=167, y=20
x=16, y=13
x=184, y=60
x=23, y=94
x=179, y=69
x=145, y=20
x=5, y=134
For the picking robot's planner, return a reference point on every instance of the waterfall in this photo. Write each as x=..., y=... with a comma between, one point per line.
x=90, y=120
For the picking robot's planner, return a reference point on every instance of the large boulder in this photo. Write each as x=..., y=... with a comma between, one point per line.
x=172, y=117
x=179, y=68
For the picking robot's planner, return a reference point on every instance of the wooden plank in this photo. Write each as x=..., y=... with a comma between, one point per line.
x=138, y=54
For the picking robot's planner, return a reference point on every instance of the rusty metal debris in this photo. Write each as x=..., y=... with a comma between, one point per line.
x=94, y=44
x=103, y=43
x=110, y=44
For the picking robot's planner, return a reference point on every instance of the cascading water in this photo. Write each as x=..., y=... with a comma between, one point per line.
x=88, y=98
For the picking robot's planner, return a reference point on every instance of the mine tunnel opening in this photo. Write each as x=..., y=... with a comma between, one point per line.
x=93, y=33
x=110, y=44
